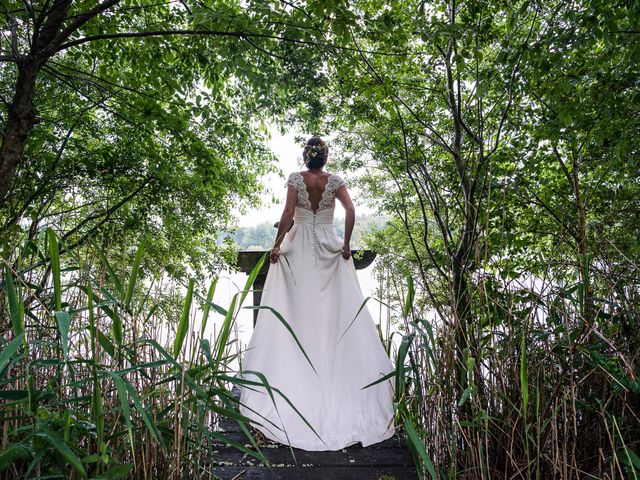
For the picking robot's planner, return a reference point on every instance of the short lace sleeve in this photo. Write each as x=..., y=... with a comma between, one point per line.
x=338, y=182
x=291, y=180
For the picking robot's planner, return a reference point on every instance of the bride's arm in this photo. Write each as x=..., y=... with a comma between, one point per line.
x=286, y=217
x=350, y=217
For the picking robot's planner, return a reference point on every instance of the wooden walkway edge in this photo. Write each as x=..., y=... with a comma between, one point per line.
x=386, y=460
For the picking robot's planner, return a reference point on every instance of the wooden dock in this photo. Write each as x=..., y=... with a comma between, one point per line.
x=387, y=460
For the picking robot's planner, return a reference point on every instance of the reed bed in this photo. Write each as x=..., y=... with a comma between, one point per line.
x=537, y=393
x=89, y=389
x=96, y=386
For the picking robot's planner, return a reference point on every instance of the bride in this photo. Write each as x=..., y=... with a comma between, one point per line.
x=315, y=346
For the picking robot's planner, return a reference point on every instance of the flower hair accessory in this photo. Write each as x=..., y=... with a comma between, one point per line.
x=315, y=150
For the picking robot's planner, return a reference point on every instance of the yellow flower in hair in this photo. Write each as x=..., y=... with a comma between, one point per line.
x=315, y=150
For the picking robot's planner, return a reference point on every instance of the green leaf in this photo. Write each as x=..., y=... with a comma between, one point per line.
x=54, y=255
x=134, y=276
x=64, y=451
x=16, y=305
x=183, y=326
x=10, y=350
x=64, y=323
x=408, y=304
x=418, y=446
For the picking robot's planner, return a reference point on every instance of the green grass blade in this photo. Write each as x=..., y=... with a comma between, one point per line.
x=92, y=321
x=143, y=413
x=524, y=382
x=402, y=354
x=408, y=304
x=64, y=323
x=134, y=277
x=419, y=447
x=271, y=389
x=116, y=325
x=112, y=274
x=14, y=453
x=106, y=344
x=225, y=329
x=64, y=452
x=362, y=305
x=633, y=461
x=183, y=326
x=288, y=327
x=54, y=255
x=16, y=305
x=207, y=306
x=124, y=405
x=380, y=380
x=252, y=277
x=430, y=343
x=10, y=350
x=97, y=404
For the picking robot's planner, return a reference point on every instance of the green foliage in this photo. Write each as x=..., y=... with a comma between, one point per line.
x=499, y=139
x=152, y=138
x=82, y=412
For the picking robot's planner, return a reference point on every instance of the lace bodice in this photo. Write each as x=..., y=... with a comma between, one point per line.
x=328, y=199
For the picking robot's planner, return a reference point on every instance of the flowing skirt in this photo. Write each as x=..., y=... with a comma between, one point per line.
x=316, y=291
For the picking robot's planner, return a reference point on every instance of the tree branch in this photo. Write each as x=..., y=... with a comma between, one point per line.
x=77, y=23
x=215, y=33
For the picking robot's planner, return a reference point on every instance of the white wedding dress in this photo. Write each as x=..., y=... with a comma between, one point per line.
x=317, y=293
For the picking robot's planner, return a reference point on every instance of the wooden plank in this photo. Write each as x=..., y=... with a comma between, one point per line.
x=316, y=473
x=394, y=442
x=346, y=457
x=386, y=460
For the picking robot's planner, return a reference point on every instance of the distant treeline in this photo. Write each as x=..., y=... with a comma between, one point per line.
x=262, y=236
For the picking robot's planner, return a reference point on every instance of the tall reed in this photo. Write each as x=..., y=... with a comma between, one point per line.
x=90, y=389
x=548, y=395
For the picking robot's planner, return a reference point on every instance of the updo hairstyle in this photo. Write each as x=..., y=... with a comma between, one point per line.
x=315, y=153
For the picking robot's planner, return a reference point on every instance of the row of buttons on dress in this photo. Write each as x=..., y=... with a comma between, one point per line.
x=315, y=243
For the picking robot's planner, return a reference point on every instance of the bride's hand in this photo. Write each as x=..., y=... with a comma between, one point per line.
x=274, y=255
x=346, y=251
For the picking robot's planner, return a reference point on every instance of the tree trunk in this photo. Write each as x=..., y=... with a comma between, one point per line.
x=20, y=121
x=588, y=308
x=22, y=115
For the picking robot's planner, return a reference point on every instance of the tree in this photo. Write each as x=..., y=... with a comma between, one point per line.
x=482, y=129
x=147, y=120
